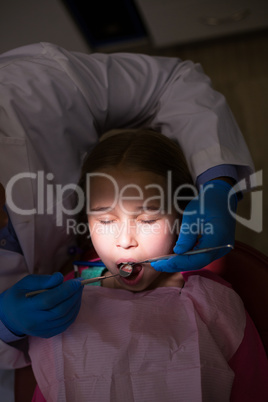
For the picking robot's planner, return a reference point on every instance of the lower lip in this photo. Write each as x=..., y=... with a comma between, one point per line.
x=134, y=281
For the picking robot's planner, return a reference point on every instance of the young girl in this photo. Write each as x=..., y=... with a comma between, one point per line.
x=151, y=336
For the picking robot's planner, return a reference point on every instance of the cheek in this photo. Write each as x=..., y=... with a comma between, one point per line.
x=102, y=248
x=97, y=235
x=165, y=243
x=103, y=240
x=159, y=238
x=96, y=241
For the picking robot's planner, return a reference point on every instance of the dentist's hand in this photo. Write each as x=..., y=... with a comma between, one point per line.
x=206, y=220
x=46, y=314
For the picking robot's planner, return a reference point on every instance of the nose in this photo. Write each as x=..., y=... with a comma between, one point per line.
x=127, y=237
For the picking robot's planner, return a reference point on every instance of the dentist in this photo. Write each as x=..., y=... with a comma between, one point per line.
x=54, y=107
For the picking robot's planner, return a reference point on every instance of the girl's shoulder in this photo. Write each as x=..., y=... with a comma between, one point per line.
x=205, y=273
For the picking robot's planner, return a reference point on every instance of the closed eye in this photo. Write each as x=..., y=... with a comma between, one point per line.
x=106, y=222
x=148, y=221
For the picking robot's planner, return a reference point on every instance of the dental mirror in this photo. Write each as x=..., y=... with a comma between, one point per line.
x=125, y=269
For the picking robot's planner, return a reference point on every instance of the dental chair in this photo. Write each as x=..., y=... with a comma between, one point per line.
x=244, y=267
x=247, y=271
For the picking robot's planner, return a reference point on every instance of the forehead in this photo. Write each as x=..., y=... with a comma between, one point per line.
x=106, y=187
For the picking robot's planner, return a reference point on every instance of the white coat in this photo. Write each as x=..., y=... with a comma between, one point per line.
x=55, y=104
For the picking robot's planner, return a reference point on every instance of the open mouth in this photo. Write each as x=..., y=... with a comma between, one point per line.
x=125, y=269
x=135, y=276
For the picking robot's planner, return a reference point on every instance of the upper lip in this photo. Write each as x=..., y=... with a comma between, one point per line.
x=124, y=260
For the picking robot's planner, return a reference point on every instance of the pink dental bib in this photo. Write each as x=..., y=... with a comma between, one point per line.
x=166, y=344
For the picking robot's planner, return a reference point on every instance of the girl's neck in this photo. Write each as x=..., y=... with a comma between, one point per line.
x=168, y=280
x=164, y=280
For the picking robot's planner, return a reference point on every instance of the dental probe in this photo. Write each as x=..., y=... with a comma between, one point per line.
x=127, y=273
x=191, y=252
x=85, y=281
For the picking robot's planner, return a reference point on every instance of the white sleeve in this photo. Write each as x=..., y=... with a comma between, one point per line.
x=54, y=105
x=12, y=358
x=84, y=95
x=167, y=94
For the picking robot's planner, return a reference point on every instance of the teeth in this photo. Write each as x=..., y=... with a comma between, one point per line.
x=123, y=263
x=126, y=267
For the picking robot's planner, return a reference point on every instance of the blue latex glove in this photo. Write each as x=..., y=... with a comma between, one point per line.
x=217, y=228
x=46, y=314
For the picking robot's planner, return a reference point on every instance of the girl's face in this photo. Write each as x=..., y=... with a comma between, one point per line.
x=128, y=221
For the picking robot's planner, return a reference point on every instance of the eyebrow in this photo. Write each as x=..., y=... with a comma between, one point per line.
x=138, y=208
x=100, y=209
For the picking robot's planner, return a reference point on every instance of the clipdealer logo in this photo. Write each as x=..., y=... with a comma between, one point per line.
x=255, y=221
x=52, y=197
